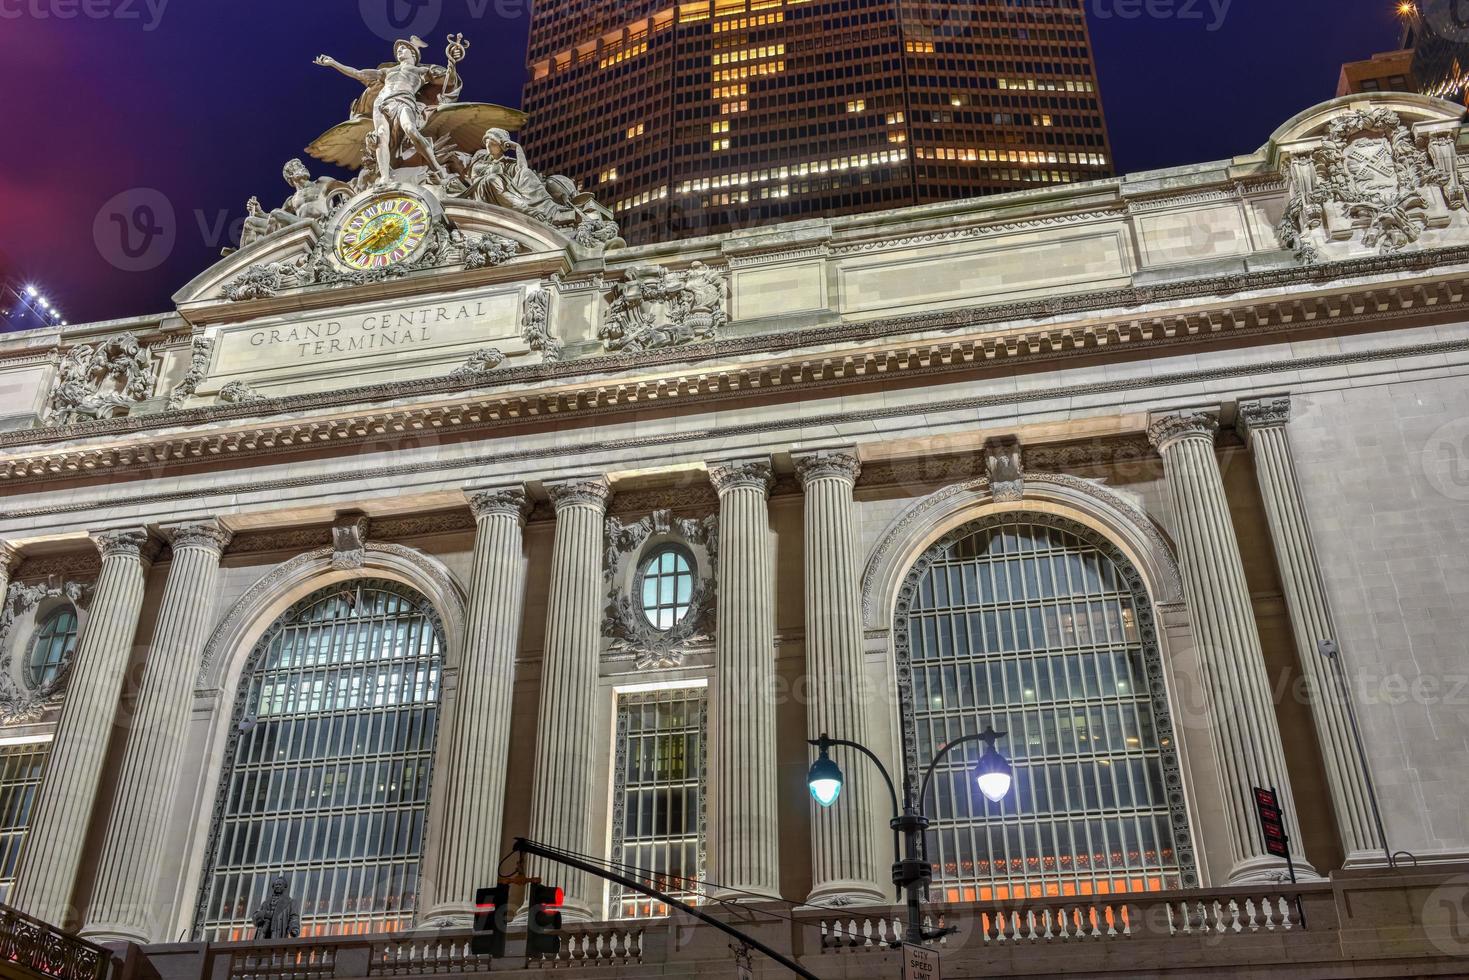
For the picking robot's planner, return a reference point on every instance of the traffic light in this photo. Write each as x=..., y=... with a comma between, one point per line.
x=491, y=906
x=544, y=923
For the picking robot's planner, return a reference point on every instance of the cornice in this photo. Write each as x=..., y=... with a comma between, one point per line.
x=697, y=437
x=511, y=398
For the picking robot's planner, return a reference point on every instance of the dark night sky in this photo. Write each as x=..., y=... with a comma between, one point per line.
x=207, y=105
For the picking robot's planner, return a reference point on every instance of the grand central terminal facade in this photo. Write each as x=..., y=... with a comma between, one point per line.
x=435, y=516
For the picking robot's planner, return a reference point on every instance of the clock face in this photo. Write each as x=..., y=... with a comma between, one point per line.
x=383, y=232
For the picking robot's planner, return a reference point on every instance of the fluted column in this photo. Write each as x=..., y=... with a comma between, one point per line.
x=47, y=871
x=125, y=906
x=478, y=747
x=567, y=741
x=1263, y=425
x=744, y=827
x=1242, y=712
x=844, y=867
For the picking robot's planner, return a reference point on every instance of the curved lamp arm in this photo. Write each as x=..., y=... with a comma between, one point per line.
x=825, y=742
x=985, y=736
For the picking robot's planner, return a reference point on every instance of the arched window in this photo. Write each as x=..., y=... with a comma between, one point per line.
x=326, y=779
x=51, y=647
x=1040, y=626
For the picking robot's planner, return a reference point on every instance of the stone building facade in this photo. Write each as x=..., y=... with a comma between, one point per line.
x=355, y=572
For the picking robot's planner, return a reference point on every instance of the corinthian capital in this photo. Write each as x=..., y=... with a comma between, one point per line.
x=502, y=501
x=1169, y=429
x=132, y=542
x=1266, y=413
x=743, y=473
x=828, y=466
x=210, y=535
x=581, y=493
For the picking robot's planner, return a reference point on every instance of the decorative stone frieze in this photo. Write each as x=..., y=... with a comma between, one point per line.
x=1368, y=184
x=101, y=382
x=486, y=251
x=623, y=622
x=654, y=307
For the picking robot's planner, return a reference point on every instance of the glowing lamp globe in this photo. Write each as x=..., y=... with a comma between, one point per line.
x=825, y=780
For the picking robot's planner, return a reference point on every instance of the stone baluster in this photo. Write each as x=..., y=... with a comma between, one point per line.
x=564, y=793
x=47, y=871
x=1243, y=723
x=744, y=825
x=477, y=752
x=844, y=867
x=1263, y=426
x=125, y=906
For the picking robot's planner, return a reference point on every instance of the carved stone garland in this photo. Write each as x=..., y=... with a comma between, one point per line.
x=20, y=703
x=623, y=619
x=198, y=372
x=101, y=382
x=445, y=247
x=1147, y=638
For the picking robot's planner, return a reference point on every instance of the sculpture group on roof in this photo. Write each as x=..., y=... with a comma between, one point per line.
x=409, y=127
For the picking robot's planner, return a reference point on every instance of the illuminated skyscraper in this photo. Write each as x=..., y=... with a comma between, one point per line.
x=692, y=118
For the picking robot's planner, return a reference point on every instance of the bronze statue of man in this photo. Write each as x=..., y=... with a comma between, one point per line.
x=278, y=917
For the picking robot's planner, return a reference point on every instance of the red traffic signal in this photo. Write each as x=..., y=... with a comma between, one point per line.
x=544, y=922
x=491, y=910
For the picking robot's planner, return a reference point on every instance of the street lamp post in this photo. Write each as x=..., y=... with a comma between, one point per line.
x=912, y=872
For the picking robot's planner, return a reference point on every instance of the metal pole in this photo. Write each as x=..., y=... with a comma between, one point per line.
x=524, y=846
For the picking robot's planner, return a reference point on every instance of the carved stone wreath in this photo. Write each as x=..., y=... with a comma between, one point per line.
x=654, y=308
x=19, y=702
x=624, y=622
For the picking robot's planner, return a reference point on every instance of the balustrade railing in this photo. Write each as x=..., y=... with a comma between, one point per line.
x=46, y=951
x=1120, y=917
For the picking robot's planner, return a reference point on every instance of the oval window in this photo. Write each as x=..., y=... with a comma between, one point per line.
x=667, y=587
x=52, y=647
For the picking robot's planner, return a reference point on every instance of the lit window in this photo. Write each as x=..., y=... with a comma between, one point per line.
x=667, y=585
x=1039, y=627
x=608, y=175
x=857, y=106
x=52, y=647
x=21, y=767
x=326, y=778
x=658, y=815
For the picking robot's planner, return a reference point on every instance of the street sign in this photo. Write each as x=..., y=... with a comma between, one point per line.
x=1272, y=827
x=920, y=963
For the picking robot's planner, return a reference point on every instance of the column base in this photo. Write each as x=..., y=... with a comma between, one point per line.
x=1271, y=869
x=841, y=894
x=108, y=932
x=747, y=895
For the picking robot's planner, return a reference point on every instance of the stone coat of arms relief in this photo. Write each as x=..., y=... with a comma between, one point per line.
x=1370, y=185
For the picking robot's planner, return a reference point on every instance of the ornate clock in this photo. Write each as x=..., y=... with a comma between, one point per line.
x=383, y=232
